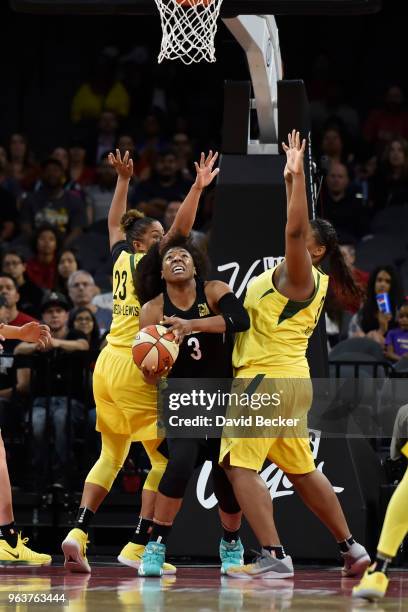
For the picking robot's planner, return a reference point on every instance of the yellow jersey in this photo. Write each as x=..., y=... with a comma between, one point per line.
x=276, y=342
x=126, y=307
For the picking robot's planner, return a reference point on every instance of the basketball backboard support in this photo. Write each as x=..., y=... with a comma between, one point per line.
x=230, y=8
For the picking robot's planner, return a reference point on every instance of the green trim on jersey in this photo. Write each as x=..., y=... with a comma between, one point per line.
x=292, y=307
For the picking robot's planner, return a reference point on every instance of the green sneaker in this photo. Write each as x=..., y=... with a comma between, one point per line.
x=152, y=559
x=231, y=554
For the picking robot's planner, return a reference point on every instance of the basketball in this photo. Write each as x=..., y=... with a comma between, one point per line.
x=154, y=348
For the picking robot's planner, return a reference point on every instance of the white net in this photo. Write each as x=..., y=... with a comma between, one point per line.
x=189, y=28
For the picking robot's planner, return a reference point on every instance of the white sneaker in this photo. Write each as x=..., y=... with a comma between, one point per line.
x=356, y=561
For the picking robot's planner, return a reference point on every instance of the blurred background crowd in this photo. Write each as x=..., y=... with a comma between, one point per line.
x=73, y=97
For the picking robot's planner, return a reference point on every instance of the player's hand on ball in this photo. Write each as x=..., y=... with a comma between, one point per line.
x=205, y=172
x=179, y=327
x=295, y=151
x=124, y=167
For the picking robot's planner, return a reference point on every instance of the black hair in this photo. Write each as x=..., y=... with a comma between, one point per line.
x=369, y=311
x=96, y=332
x=51, y=161
x=7, y=275
x=15, y=252
x=149, y=283
x=61, y=283
x=134, y=225
x=325, y=235
x=46, y=227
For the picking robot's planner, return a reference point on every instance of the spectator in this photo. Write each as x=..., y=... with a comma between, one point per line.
x=6, y=180
x=81, y=287
x=101, y=194
x=152, y=141
x=42, y=268
x=14, y=264
x=103, y=92
x=338, y=299
x=360, y=276
x=106, y=135
x=369, y=321
x=57, y=378
x=152, y=196
x=61, y=154
x=341, y=205
x=8, y=215
x=390, y=183
x=79, y=171
x=67, y=264
x=396, y=340
x=23, y=169
x=51, y=204
x=9, y=290
x=333, y=148
x=390, y=121
x=83, y=319
x=199, y=238
x=183, y=149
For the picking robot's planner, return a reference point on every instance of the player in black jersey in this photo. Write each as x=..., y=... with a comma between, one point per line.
x=203, y=315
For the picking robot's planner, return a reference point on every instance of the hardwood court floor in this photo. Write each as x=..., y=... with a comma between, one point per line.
x=196, y=589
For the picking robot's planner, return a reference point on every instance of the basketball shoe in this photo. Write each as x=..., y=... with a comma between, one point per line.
x=231, y=554
x=21, y=554
x=131, y=555
x=264, y=566
x=152, y=559
x=372, y=586
x=356, y=560
x=74, y=549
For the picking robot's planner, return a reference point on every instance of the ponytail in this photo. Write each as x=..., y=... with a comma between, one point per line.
x=325, y=235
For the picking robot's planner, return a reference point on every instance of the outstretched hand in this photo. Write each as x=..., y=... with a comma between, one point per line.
x=37, y=333
x=295, y=151
x=204, y=169
x=124, y=167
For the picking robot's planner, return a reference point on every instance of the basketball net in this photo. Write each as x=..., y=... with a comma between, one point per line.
x=189, y=28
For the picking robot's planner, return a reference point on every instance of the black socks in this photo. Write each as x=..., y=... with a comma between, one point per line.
x=9, y=533
x=345, y=544
x=160, y=533
x=230, y=536
x=381, y=564
x=142, y=531
x=83, y=519
x=278, y=550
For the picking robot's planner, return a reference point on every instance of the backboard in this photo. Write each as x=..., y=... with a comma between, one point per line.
x=229, y=8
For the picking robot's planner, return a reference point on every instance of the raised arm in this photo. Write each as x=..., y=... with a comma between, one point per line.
x=186, y=214
x=295, y=278
x=124, y=169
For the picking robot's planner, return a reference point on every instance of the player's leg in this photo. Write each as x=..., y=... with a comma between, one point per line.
x=131, y=554
x=295, y=458
x=12, y=546
x=183, y=455
x=242, y=459
x=374, y=583
x=115, y=449
x=231, y=549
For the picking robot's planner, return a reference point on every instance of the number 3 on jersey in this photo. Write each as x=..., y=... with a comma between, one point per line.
x=196, y=354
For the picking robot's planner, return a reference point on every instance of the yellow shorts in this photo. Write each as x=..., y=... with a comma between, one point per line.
x=125, y=404
x=289, y=448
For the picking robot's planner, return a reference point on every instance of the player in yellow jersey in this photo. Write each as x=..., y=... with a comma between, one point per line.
x=375, y=581
x=284, y=305
x=13, y=549
x=125, y=403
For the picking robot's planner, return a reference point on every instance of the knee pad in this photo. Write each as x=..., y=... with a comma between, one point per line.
x=175, y=479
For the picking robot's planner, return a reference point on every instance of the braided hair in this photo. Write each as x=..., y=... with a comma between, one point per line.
x=325, y=235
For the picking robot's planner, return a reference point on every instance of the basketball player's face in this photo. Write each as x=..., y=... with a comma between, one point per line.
x=154, y=233
x=382, y=282
x=178, y=266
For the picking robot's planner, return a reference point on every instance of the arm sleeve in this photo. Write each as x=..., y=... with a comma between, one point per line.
x=235, y=316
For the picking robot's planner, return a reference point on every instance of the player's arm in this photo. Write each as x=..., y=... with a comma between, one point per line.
x=232, y=315
x=34, y=332
x=186, y=214
x=124, y=169
x=294, y=277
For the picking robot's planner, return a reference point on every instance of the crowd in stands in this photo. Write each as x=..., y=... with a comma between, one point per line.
x=55, y=263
